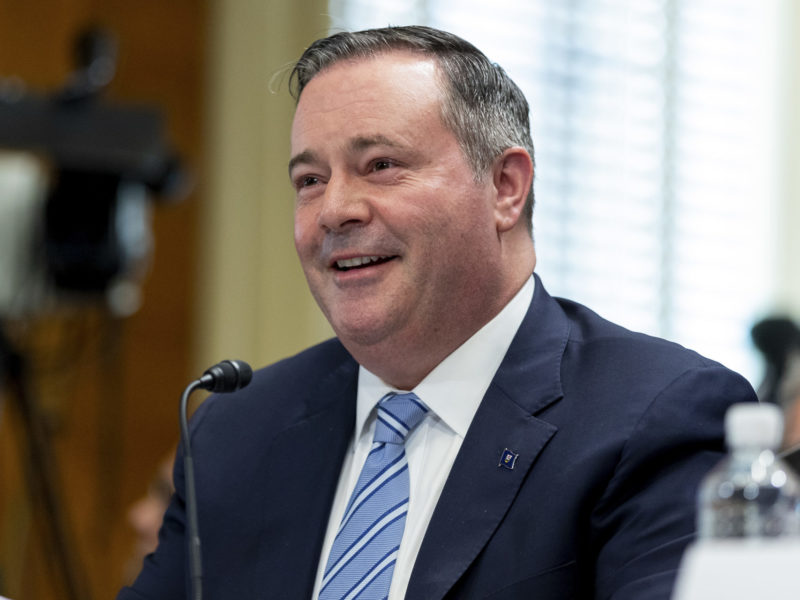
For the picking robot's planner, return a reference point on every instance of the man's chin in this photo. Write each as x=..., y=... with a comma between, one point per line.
x=363, y=332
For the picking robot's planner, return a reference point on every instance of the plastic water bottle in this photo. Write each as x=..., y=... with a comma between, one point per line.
x=748, y=542
x=751, y=493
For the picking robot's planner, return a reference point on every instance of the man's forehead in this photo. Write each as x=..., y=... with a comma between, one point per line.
x=391, y=87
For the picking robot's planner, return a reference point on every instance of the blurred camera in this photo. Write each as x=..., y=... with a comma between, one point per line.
x=76, y=178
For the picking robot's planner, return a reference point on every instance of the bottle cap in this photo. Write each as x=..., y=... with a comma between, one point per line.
x=754, y=425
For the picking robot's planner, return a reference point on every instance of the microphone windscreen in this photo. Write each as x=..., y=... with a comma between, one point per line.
x=227, y=376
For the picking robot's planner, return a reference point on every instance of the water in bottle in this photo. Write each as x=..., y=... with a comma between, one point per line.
x=751, y=493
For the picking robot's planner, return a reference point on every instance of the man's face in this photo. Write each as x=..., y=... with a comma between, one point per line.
x=396, y=238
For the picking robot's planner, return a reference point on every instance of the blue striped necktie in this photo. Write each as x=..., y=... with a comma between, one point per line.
x=362, y=558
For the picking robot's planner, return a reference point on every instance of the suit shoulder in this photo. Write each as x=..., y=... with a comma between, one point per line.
x=322, y=358
x=590, y=333
x=601, y=354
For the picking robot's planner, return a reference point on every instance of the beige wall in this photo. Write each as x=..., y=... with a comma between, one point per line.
x=253, y=302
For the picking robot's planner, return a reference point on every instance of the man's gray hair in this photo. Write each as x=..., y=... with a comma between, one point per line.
x=482, y=106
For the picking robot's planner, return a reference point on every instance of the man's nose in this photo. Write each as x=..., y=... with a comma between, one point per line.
x=345, y=204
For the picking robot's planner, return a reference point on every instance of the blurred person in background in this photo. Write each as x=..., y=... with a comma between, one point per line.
x=789, y=395
x=778, y=340
x=146, y=514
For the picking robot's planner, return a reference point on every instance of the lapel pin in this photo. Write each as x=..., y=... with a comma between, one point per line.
x=508, y=459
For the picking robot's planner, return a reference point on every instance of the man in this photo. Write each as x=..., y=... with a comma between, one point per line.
x=556, y=455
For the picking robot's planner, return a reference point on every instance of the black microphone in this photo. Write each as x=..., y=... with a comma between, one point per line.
x=226, y=376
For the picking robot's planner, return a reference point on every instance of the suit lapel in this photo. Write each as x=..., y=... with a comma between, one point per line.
x=479, y=489
x=306, y=481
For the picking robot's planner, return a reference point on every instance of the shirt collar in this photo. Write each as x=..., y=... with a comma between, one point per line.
x=464, y=375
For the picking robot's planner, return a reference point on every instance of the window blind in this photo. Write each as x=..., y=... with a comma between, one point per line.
x=652, y=123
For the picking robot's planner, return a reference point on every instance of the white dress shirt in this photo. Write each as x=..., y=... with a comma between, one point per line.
x=452, y=391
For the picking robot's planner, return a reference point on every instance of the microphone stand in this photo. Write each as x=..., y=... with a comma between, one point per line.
x=226, y=376
x=195, y=555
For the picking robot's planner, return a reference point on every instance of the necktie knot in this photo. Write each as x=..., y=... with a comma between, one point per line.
x=398, y=415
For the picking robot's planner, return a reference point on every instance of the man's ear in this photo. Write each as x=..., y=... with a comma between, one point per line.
x=512, y=176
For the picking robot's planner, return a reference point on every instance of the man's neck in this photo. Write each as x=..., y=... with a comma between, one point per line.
x=403, y=364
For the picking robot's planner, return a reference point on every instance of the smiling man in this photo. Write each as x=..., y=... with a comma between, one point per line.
x=465, y=435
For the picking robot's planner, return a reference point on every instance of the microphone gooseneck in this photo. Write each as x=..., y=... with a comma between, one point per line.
x=226, y=376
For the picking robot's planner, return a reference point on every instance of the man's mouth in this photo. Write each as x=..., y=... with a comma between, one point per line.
x=359, y=262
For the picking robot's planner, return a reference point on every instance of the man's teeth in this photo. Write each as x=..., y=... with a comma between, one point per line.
x=359, y=261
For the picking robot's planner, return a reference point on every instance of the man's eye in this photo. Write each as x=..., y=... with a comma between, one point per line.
x=380, y=165
x=307, y=181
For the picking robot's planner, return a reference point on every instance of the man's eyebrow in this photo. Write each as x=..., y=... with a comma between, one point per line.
x=307, y=156
x=363, y=142
x=357, y=144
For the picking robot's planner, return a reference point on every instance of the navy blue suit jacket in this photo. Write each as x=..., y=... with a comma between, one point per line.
x=613, y=431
